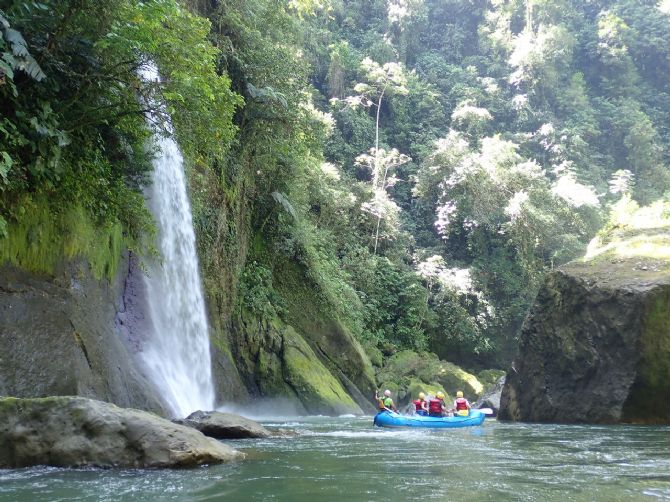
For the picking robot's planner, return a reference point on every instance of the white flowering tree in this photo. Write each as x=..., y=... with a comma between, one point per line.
x=508, y=220
x=383, y=165
x=380, y=81
x=498, y=190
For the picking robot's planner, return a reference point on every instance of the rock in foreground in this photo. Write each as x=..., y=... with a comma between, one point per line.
x=595, y=347
x=224, y=425
x=78, y=432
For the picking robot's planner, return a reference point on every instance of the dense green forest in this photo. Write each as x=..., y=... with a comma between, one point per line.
x=425, y=161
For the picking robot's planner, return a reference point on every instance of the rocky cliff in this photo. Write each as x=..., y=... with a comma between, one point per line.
x=71, y=334
x=63, y=331
x=595, y=346
x=60, y=335
x=290, y=346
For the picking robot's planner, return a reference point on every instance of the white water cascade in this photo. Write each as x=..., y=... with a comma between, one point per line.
x=176, y=351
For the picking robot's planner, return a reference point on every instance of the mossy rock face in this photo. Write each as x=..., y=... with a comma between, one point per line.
x=313, y=318
x=595, y=348
x=374, y=354
x=454, y=378
x=319, y=389
x=278, y=363
x=649, y=396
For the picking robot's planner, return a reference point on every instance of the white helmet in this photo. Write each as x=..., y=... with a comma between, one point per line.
x=387, y=393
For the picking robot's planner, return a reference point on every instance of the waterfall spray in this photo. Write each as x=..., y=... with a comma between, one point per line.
x=176, y=351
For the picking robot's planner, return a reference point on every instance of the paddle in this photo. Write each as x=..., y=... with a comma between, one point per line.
x=485, y=411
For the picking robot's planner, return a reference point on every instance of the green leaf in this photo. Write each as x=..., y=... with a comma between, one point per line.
x=6, y=68
x=19, y=45
x=6, y=164
x=286, y=204
x=33, y=69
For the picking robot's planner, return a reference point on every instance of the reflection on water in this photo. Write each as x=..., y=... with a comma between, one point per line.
x=336, y=459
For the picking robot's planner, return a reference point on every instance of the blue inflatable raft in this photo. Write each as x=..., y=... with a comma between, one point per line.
x=391, y=419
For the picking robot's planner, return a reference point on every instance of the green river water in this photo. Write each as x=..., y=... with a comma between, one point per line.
x=347, y=459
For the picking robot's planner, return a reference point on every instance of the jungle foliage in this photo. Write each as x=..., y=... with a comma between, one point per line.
x=422, y=162
x=72, y=111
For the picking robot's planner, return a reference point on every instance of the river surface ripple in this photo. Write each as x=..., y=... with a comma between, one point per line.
x=347, y=459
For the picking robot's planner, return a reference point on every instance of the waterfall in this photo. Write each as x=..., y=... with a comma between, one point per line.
x=176, y=350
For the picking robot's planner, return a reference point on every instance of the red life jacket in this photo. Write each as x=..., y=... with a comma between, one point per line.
x=417, y=405
x=461, y=404
x=435, y=406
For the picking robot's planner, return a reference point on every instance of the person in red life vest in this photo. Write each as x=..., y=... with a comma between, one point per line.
x=421, y=405
x=436, y=406
x=385, y=402
x=461, y=405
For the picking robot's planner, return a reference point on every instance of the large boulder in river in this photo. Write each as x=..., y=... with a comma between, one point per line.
x=78, y=432
x=224, y=425
x=595, y=346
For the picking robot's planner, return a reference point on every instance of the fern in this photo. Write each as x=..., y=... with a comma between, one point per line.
x=19, y=58
x=281, y=198
x=267, y=95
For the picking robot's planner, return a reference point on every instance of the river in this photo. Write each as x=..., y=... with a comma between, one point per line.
x=347, y=459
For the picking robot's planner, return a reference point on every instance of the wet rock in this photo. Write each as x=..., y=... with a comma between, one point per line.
x=78, y=432
x=491, y=397
x=66, y=335
x=277, y=361
x=224, y=425
x=284, y=433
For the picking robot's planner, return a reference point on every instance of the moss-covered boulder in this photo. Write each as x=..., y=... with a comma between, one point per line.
x=595, y=346
x=309, y=313
x=490, y=378
x=407, y=373
x=79, y=432
x=309, y=378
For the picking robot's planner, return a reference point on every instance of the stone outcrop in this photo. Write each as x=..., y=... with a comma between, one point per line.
x=491, y=397
x=407, y=373
x=70, y=334
x=79, y=432
x=220, y=425
x=61, y=335
x=595, y=346
x=277, y=362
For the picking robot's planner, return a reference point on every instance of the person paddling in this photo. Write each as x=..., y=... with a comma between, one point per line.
x=436, y=406
x=385, y=403
x=461, y=405
x=421, y=405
